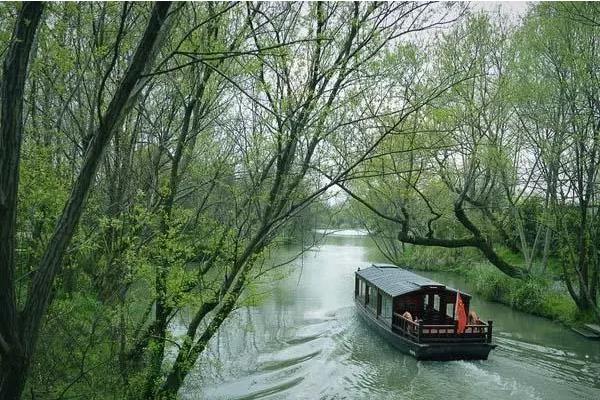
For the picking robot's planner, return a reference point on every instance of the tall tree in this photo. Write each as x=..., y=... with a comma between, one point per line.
x=560, y=43
x=12, y=89
x=452, y=155
x=22, y=346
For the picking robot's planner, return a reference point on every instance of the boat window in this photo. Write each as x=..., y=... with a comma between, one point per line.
x=450, y=309
x=372, y=297
x=426, y=300
x=436, y=302
x=386, y=306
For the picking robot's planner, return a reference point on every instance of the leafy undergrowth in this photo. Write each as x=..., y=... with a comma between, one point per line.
x=538, y=295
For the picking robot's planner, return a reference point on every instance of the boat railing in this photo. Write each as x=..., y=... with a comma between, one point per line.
x=405, y=326
x=423, y=332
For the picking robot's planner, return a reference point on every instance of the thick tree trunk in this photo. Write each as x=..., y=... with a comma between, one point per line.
x=13, y=360
x=38, y=298
x=13, y=377
x=477, y=240
x=485, y=245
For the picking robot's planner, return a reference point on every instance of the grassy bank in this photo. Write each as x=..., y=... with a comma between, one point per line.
x=541, y=295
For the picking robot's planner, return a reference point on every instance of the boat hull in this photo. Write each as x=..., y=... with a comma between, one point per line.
x=427, y=351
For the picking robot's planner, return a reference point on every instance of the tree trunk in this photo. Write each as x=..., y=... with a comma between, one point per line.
x=13, y=361
x=190, y=351
x=547, y=239
x=12, y=377
x=38, y=298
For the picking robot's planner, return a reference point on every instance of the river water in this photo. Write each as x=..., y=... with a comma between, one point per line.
x=304, y=340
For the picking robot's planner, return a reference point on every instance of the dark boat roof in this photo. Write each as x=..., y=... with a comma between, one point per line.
x=396, y=281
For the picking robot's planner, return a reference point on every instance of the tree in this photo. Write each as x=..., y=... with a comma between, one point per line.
x=23, y=331
x=562, y=49
x=12, y=89
x=287, y=125
x=453, y=154
x=510, y=154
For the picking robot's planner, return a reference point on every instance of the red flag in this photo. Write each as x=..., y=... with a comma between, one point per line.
x=461, y=314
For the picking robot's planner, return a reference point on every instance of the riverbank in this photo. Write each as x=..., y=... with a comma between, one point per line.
x=539, y=295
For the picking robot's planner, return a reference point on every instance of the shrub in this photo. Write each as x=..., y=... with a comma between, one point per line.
x=536, y=295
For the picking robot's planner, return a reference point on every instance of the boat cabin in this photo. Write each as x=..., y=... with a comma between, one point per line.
x=389, y=294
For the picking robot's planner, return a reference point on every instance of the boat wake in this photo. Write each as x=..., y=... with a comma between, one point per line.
x=336, y=356
x=296, y=355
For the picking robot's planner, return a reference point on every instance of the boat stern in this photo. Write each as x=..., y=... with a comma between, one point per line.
x=453, y=351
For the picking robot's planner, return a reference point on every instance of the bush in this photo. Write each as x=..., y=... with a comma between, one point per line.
x=528, y=295
x=536, y=295
x=487, y=283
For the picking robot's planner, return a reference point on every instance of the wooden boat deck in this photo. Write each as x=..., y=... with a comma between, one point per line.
x=427, y=333
x=432, y=349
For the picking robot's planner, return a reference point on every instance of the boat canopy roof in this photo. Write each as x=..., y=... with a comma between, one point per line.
x=396, y=281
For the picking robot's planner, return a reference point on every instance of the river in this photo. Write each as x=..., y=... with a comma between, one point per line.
x=304, y=340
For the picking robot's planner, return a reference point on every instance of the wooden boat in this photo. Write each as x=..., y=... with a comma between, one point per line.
x=384, y=292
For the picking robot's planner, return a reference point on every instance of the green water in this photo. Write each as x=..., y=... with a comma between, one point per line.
x=305, y=341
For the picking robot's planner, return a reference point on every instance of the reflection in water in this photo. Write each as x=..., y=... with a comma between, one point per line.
x=306, y=342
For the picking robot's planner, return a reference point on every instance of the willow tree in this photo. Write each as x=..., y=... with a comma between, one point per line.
x=304, y=91
x=22, y=327
x=453, y=158
x=509, y=157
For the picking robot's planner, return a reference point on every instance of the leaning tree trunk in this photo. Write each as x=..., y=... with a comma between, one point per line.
x=12, y=377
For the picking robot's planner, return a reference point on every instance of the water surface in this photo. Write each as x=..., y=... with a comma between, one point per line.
x=305, y=341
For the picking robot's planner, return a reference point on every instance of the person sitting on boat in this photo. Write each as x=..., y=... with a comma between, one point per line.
x=474, y=320
x=408, y=316
x=473, y=317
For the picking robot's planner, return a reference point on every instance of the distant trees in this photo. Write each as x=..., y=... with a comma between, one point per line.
x=565, y=131
x=508, y=158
